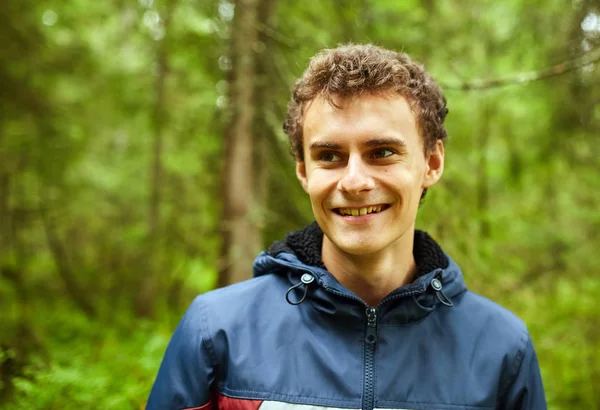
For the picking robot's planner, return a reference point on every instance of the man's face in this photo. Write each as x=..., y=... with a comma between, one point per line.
x=364, y=169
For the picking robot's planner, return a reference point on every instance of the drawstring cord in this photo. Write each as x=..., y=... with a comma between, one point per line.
x=436, y=284
x=305, y=280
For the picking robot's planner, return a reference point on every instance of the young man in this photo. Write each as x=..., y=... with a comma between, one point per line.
x=358, y=310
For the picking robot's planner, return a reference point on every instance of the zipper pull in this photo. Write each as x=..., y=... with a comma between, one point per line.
x=371, y=336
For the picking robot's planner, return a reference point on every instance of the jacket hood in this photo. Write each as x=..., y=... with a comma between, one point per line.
x=438, y=279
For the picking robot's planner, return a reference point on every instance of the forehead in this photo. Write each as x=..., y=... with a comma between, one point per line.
x=359, y=117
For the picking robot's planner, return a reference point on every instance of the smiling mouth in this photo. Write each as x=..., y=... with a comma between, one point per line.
x=361, y=211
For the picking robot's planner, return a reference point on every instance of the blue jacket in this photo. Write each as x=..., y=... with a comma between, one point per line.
x=431, y=344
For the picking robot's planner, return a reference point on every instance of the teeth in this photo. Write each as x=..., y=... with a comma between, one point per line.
x=360, y=211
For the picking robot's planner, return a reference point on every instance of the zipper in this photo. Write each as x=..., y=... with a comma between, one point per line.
x=370, y=343
x=370, y=336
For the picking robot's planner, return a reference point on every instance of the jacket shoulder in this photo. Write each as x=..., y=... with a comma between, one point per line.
x=235, y=305
x=246, y=292
x=481, y=309
x=483, y=316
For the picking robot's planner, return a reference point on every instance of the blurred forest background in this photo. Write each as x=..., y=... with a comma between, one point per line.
x=142, y=162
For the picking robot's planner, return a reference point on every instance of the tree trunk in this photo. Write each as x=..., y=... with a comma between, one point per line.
x=265, y=71
x=5, y=222
x=240, y=226
x=149, y=286
x=483, y=190
x=61, y=258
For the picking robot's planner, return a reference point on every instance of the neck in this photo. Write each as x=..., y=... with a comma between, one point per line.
x=373, y=276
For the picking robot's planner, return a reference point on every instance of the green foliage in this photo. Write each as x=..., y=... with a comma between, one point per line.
x=91, y=365
x=92, y=282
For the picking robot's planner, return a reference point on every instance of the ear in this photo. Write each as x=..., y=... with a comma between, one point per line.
x=434, y=165
x=301, y=174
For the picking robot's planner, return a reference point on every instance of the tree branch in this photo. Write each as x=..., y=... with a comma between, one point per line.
x=527, y=77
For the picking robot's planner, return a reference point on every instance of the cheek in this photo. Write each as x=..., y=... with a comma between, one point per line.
x=416, y=175
x=316, y=194
x=407, y=187
x=320, y=183
x=406, y=180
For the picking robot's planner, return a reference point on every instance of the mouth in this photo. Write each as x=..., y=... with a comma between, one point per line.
x=374, y=209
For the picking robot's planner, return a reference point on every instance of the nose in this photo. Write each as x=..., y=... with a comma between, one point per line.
x=356, y=178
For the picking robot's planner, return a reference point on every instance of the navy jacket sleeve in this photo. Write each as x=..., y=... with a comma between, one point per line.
x=186, y=372
x=526, y=392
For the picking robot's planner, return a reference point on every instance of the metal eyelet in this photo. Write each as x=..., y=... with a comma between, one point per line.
x=306, y=279
x=436, y=284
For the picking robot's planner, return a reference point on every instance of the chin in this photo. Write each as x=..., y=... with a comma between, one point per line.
x=357, y=246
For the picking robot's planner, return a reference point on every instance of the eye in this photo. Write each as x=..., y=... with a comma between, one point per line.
x=329, y=157
x=382, y=153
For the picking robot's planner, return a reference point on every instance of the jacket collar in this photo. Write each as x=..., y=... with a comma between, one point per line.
x=300, y=253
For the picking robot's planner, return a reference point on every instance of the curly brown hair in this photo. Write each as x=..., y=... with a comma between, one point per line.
x=352, y=70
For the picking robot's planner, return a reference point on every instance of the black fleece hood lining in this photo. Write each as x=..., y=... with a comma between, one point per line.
x=307, y=243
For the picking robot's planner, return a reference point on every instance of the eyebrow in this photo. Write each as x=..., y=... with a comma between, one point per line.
x=375, y=142
x=324, y=145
